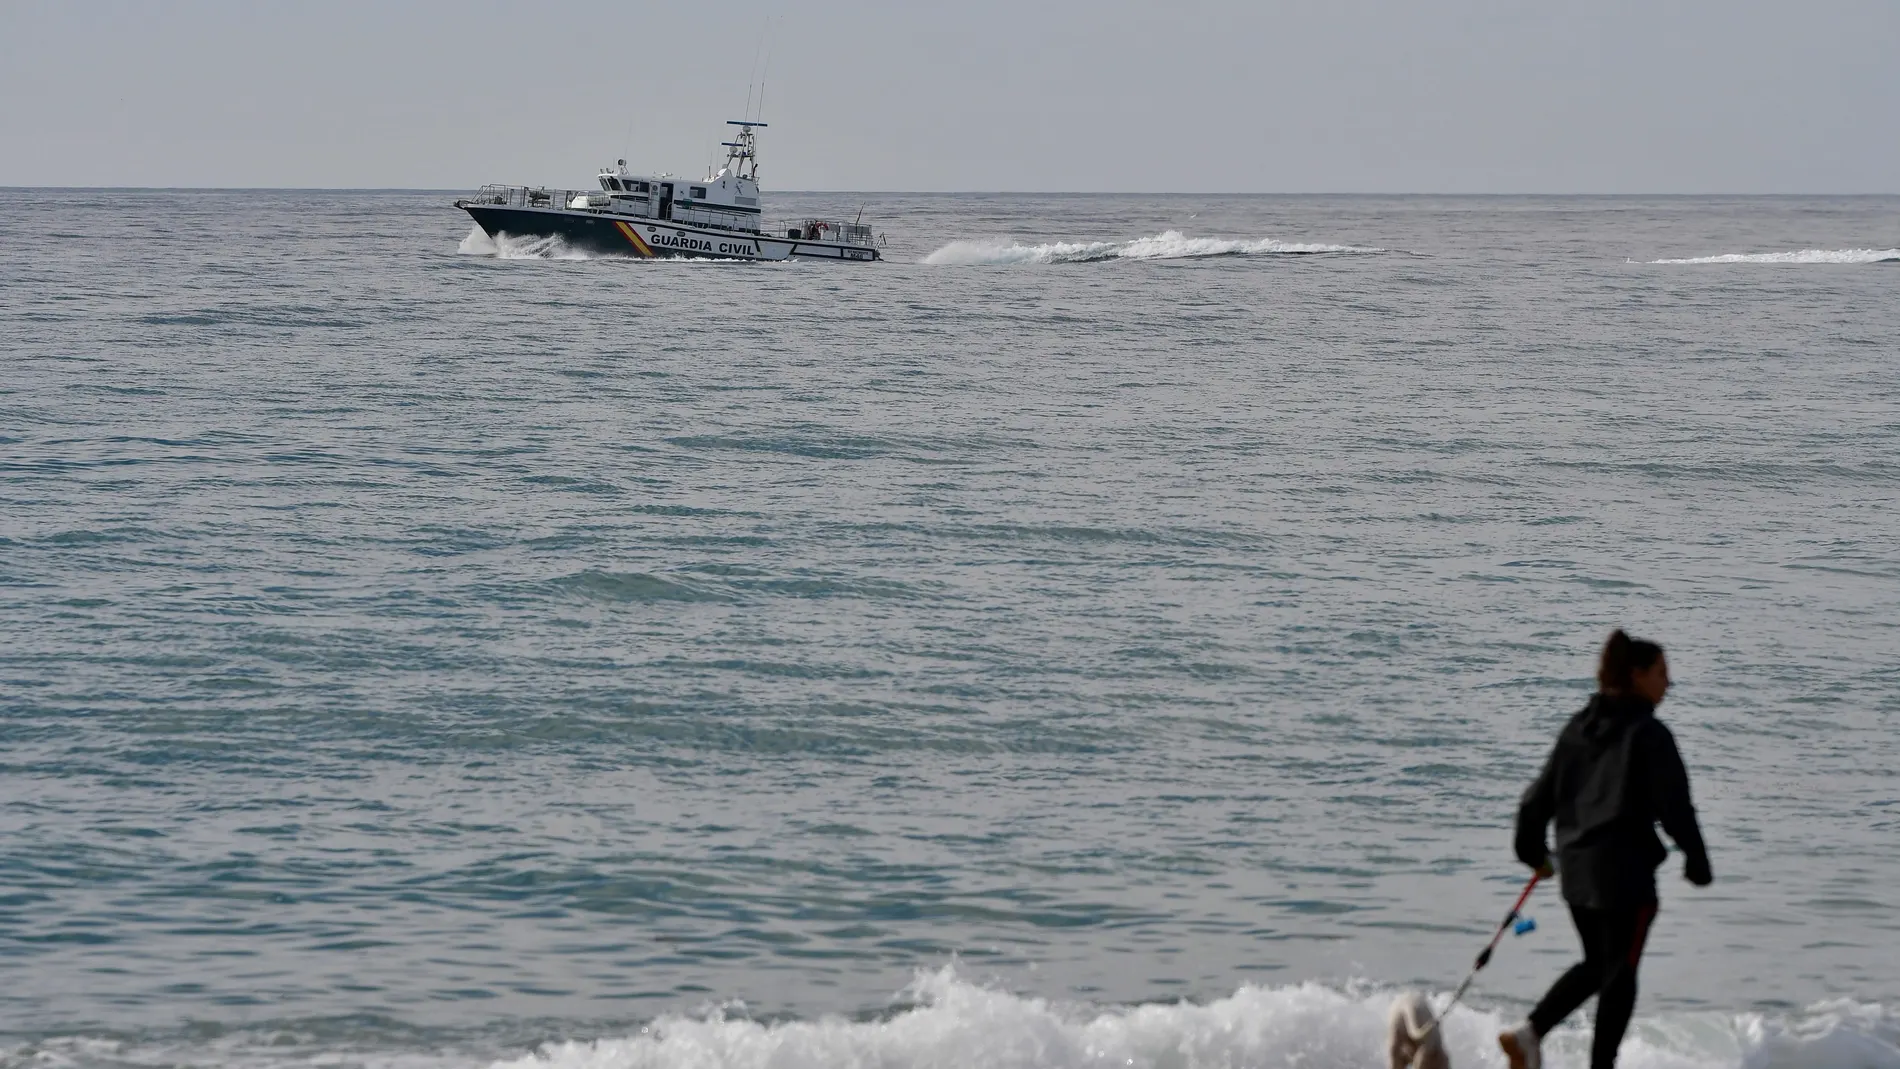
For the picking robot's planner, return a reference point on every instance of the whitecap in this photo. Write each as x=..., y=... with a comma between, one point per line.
x=1168, y=245
x=1802, y=256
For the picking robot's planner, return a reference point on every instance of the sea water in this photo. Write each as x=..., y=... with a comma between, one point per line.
x=1114, y=630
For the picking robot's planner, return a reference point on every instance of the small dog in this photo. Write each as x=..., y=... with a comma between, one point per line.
x=1413, y=1037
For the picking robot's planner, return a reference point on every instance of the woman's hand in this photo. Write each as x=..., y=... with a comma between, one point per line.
x=1696, y=871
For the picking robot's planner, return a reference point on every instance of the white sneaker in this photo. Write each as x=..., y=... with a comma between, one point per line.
x=1522, y=1047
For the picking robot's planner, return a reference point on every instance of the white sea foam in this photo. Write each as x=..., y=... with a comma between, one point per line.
x=1803, y=256
x=960, y=1025
x=952, y=1023
x=509, y=247
x=1169, y=245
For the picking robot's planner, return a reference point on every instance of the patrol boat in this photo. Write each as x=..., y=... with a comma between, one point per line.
x=659, y=215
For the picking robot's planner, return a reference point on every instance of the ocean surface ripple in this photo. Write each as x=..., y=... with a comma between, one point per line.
x=1112, y=630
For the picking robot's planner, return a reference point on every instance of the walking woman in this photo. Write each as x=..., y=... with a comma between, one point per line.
x=1613, y=776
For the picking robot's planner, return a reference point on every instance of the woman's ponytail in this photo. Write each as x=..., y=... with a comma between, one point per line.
x=1622, y=657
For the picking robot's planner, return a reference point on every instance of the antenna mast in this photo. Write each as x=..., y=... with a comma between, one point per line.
x=753, y=80
x=742, y=153
x=766, y=73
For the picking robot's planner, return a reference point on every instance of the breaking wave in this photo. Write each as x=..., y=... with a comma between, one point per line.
x=1803, y=256
x=508, y=247
x=946, y=1022
x=1169, y=245
x=952, y=1022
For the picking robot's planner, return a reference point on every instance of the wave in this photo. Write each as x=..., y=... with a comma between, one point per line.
x=509, y=247
x=944, y=1020
x=952, y=1022
x=1168, y=245
x=1803, y=256
x=593, y=585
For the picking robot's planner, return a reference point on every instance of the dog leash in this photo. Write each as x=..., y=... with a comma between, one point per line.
x=1484, y=956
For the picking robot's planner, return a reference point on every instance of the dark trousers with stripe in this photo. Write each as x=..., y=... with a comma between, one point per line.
x=1612, y=945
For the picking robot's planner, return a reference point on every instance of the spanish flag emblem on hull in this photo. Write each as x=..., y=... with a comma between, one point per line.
x=639, y=245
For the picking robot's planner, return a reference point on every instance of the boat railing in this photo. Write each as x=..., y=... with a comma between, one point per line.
x=511, y=197
x=538, y=197
x=589, y=200
x=833, y=230
x=709, y=218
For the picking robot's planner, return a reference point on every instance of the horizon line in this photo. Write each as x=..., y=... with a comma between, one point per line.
x=967, y=192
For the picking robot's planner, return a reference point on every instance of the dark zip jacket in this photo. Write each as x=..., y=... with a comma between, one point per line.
x=1614, y=774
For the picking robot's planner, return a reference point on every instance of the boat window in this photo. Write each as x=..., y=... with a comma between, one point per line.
x=699, y=192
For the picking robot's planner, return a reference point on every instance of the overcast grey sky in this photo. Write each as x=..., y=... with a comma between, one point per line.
x=1191, y=95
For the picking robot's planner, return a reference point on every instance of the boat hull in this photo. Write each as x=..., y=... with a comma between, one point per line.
x=609, y=234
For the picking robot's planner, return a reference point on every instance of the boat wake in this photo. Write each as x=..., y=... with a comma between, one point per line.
x=508, y=247
x=1803, y=256
x=1169, y=245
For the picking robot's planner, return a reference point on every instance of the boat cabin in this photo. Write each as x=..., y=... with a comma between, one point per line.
x=727, y=199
